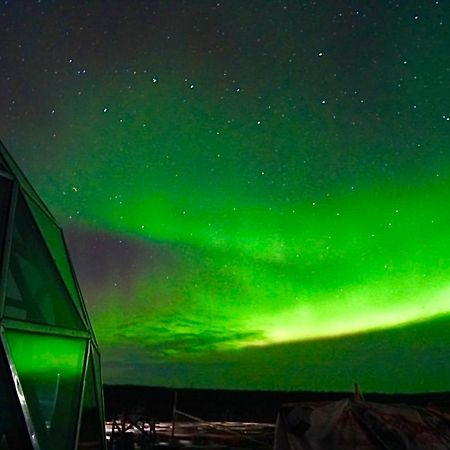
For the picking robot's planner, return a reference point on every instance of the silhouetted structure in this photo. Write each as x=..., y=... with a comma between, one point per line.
x=51, y=394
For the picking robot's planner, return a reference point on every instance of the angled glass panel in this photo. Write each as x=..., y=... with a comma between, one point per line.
x=91, y=435
x=50, y=373
x=55, y=243
x=13, y=431
x=35, y=290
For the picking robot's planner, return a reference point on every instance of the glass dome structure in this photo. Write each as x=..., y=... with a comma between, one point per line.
x=51, y=395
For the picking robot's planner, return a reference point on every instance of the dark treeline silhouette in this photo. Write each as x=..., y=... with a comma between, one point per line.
x=234, y=405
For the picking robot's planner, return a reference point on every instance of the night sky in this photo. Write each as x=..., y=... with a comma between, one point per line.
x=256, y=194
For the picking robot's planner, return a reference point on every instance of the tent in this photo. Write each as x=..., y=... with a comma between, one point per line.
x=50, y=378
x=359, y=424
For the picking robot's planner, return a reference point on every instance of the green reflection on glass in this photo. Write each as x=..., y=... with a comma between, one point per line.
x=49, y=370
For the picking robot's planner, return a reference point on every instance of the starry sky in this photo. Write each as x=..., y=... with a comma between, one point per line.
x=255, y=194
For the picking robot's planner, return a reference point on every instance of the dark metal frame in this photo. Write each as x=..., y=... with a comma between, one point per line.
x=7, y=245
x=83, y=386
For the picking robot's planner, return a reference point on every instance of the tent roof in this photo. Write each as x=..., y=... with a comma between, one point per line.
x=361, y=424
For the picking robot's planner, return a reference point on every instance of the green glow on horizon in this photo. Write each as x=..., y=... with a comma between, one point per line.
x=359, y=313
x=380, y=266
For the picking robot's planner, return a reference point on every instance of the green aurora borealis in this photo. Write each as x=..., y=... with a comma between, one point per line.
x=255, y=194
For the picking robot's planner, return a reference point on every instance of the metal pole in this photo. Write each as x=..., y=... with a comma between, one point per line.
x=174, y=414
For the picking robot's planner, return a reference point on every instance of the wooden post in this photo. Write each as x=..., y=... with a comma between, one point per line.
x=357, y=394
